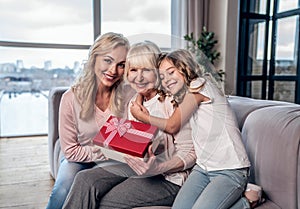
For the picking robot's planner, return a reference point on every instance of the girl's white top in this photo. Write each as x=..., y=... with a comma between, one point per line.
x=215, y=133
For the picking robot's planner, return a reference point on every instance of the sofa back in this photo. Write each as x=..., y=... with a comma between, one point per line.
x=55, y=154
x=271, y=134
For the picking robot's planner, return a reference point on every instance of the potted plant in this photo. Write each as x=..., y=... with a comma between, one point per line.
x=205, y=44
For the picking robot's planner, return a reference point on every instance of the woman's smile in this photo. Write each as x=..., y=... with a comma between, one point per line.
x=141, y=85
x=109, y=77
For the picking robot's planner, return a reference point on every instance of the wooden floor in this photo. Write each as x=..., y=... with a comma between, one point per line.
x=25, y=181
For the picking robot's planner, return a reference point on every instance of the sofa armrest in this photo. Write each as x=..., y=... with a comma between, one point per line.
x=54, y=98
x=272, y=139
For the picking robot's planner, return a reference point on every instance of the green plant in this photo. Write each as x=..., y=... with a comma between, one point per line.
x=205, y=44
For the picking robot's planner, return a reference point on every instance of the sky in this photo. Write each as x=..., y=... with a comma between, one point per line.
x=70, y=22
x=47, y=20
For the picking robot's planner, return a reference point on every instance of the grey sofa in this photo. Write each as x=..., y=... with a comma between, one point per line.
x=55, y=153
x=270, y=132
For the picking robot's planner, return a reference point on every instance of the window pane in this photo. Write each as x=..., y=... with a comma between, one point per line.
x=285, y=67
x=256, y=6
x=287, y=34
x=26, y=75
x=44, y=68
x=256, y=47
x=23, y=114
x=252, y=89
x=44, y=21
x=260, y=40
x=138, y=20
x=256, y=87
x=285, y=5
x=284, y=91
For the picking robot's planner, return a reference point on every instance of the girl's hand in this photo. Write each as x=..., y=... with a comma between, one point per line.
x=139, y=99
x=151, y=167
x=139, y=112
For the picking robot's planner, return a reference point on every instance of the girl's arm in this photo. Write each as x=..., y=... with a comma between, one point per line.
x=180, y=116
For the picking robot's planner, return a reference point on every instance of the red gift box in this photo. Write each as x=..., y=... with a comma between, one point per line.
x=126, y=136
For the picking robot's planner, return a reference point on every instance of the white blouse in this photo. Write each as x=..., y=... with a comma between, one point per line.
x=216, y=136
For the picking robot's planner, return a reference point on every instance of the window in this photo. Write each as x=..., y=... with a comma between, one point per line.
x=44, y=44
x=268, y=65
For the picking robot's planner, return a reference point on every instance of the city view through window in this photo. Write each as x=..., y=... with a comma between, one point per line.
x=24, y=94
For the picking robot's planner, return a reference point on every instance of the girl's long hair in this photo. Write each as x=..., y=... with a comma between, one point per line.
x=191, y=67
x=85, y=86
x=185, y=63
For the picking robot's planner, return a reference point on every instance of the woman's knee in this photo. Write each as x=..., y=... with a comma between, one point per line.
x=86, y=177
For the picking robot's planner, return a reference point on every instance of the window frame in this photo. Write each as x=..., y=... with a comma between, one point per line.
x=268, y=80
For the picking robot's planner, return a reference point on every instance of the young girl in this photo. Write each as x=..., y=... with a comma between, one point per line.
x=162, y=175
x=221, y=172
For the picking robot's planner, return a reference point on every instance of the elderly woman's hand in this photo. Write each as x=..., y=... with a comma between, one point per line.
x=148, y=168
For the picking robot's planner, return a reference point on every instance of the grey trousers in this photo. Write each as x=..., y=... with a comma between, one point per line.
x=117, y=187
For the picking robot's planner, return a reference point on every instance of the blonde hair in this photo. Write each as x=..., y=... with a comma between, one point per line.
x=143, y=55
x=85, y=87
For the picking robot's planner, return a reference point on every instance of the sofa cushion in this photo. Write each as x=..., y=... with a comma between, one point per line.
x=268, y=205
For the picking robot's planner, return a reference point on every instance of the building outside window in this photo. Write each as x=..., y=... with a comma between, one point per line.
x=268, y=65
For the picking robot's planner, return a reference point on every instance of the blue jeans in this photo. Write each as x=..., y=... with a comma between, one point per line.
x=64, y=180
x=212, y=190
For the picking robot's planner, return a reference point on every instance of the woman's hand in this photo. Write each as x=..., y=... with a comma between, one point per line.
x=97, y=154
x=151, y=167
x=139, y=112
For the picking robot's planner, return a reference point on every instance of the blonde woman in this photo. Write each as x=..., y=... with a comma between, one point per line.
x=84, y=109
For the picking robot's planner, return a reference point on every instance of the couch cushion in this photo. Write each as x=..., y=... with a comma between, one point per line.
x=268, y=205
